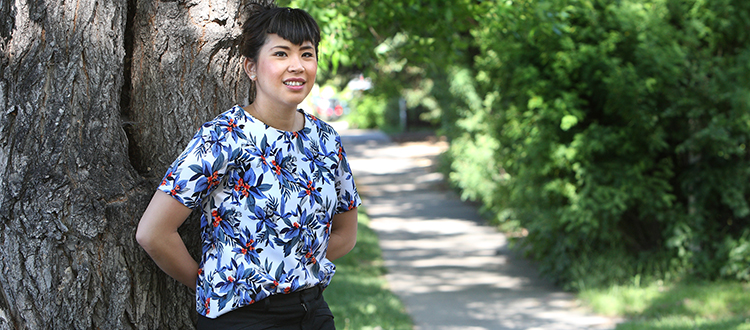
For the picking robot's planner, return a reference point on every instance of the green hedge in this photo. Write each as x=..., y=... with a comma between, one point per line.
x=614, y=132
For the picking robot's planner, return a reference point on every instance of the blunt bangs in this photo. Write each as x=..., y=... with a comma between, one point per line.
x=294, y=25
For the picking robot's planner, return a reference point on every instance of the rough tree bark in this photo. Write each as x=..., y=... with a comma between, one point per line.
x=96, y=99
x=186, y=68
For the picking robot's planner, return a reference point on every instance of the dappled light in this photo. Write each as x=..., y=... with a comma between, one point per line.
x=525, y=164
x=451, y=269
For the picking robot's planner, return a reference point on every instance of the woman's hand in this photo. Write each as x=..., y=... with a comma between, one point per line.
x=343, y=234
x=157, y=234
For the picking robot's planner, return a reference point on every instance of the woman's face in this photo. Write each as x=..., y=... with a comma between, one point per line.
x=284, y=72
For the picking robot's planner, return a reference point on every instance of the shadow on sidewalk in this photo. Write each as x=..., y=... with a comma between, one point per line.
x=451, y=269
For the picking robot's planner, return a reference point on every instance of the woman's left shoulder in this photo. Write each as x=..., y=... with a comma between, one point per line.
x=324, y=129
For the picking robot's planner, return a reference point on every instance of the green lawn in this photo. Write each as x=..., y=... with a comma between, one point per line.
x=359, y=296
x=682, y=306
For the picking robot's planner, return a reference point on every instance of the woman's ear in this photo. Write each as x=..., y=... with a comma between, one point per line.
x=249, y=67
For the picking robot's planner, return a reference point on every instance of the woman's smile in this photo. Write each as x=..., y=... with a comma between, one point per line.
x=295, y=83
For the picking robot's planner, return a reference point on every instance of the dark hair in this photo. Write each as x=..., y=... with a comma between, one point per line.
x=292, y=24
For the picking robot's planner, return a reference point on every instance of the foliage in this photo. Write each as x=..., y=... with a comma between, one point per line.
x=614, y=132
x=388, y=42
x=371, y=112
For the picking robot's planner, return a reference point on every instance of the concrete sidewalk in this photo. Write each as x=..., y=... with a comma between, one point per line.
x=451, y=270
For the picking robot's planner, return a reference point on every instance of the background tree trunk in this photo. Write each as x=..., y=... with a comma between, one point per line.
x=96, y=99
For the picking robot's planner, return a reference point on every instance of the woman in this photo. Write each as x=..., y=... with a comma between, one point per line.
x=275, y=192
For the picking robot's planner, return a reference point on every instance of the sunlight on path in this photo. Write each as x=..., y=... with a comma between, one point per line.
x=451, y=270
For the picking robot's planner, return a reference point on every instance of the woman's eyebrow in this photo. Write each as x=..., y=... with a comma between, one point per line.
x=285, y=47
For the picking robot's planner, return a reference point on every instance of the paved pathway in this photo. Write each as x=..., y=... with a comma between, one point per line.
x=450, y=269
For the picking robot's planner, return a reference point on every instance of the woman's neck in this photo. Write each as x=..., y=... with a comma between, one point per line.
x=285, y=119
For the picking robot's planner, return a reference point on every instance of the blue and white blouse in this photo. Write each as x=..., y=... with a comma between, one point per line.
x=267, y=199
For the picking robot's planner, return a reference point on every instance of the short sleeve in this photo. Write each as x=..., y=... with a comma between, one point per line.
x=200, y=167
x=346, y=190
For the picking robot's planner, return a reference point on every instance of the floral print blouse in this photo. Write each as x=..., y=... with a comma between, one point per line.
x=267, y=199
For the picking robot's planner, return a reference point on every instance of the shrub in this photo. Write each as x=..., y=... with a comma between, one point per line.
x=615, y=132
x=369, y=112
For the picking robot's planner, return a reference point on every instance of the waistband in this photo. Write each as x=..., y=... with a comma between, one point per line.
x=300, y=305
x=304, y=295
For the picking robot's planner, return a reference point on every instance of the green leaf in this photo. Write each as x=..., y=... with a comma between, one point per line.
x=568, y=121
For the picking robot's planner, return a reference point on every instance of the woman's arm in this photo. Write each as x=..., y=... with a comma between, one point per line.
x=343, y=234
x=157, y=234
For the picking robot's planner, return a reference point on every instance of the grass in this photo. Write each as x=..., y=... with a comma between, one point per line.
x=681, y=306
x=358, y=295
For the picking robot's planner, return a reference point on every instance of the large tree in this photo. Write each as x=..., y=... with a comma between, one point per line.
x=96, y=99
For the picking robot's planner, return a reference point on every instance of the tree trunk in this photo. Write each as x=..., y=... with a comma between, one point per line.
x=96, y=99
x=186, y=70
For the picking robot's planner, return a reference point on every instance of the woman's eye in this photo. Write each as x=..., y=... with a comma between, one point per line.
x=280, y=54
x=308, y=55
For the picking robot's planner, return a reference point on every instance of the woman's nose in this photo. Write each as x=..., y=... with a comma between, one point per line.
x=295, y=65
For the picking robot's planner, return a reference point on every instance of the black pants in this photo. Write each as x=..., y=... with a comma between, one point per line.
x=301, y=310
